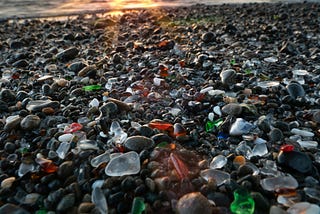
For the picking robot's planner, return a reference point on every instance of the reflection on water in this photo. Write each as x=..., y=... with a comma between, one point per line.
x=36, y=8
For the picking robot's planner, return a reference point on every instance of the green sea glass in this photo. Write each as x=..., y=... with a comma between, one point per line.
x=243, y=203
x=211, y=125
x=138, y=205
x=91, y=87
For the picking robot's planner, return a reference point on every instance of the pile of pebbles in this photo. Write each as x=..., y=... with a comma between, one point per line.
x=255, y=63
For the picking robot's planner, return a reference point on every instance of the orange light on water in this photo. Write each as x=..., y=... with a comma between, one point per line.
x=126, y=4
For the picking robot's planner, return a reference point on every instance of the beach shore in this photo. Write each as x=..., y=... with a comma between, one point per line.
x=215, y=104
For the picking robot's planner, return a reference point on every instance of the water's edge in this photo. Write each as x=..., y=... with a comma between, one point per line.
x=68, y=9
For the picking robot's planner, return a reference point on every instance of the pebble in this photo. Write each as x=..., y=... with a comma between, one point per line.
x=138, y=143
x=85, y=207
x=12, y=208
x=66, y=202
x=296, y=161
x=67, y=54
x=194, y=202
x=30, y=122
x=228, y=76
x=295, y=90
x=232, y=109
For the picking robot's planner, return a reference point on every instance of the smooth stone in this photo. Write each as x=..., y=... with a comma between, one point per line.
x=22, y=63
x=124, y=164
x=66, y=202
x=138, y=143
x=31, y=198
x=295, y=90
x=161, y=137
x=12, y=209
x=316, y=116
x=76, y=66
x=30, y=122
x=38, y=105
x=67, y=54
x=192, y=203
x=7, y=183
x=232, y=109
x=261, y=203
x=108, y=109
x=7, y=95
x=228, y=76
x=295, y=160
x=121, y=105
x=15, y=44
x=208, y=37
x=65, y=169
x=12, y=122
x=276, y=135
x=85, y=207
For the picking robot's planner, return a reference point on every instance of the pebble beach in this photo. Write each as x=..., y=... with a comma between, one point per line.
x=198, y=109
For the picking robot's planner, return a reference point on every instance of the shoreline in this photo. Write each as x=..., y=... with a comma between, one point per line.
x=56, y=14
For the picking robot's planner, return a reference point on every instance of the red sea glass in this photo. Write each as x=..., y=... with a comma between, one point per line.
x=179, y=166
x=73, y=127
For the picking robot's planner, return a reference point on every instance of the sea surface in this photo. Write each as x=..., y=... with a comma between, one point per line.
x=47, y=8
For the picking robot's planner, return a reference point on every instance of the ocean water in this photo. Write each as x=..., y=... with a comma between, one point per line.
x=47, y=8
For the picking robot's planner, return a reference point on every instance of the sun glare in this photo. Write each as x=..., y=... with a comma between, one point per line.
x=125, y=4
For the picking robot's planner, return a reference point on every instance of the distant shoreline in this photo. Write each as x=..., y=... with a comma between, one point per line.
x=54, y=13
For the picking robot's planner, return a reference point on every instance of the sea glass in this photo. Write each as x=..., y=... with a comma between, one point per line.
x=103, y=158
x=63, y=149
x=220, y=177
x=73, y=127
x=243, y=203
x=24, y=168
x=138, y=205
x=99, y=199
x=46, y=165
x=124, y=164
x=278, y=183
x=239, y=127
x=91, y=87
x=179, y=166
x=218, y=162
x=212, y=125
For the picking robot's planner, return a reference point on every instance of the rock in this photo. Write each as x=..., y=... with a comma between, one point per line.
x=85, y=207
x=138, y=143
x=192, y=203
x=295, y=160
x=7, y=95
x=67, y=54
x=295, y=90
x=276, y=135
x=66, y=202
x=208, y=37
x=30, y=122
x=12, y=209
x=109, y=109
x=65, y=169
x=232, y=109
x=12, y=122
x=22, y=63
x=228, y=76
